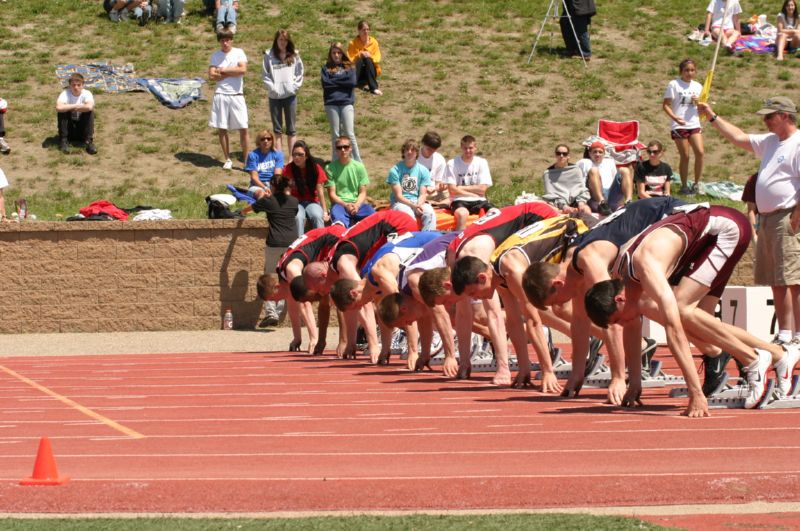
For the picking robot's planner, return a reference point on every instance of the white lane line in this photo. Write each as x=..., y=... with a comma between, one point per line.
x=515, y=425
x=536, y=433
x=482, y=477
x=402, y=453
x=398, y=430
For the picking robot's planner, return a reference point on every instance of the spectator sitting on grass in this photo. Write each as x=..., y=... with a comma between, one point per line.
x=75, y=108
x=652, y=176
x=347, y=185
x=120, y=10
x=263, y=163
x=436, y=164
x=170, y=10
x=409, y=181
x=226, y=14
x=609, y=186
x=307, y=181
x=565, y=185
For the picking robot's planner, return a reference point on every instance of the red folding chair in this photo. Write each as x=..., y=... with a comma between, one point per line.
x=623, y=137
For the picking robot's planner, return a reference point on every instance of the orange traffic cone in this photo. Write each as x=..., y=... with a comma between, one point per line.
x=45, y=471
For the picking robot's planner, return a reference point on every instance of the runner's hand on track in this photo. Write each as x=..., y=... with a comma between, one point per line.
x=698, y=407
x=450, y=367
x=549, y=383
x=616, y=390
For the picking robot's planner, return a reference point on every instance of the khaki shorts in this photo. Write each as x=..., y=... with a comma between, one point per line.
x=777, y=251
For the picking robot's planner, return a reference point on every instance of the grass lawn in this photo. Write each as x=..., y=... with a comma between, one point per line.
x=503, y=522
x=453, y=67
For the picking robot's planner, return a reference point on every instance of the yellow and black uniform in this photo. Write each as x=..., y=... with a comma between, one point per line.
x=544, y=241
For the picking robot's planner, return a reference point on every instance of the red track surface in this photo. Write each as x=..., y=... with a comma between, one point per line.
x=235, y=432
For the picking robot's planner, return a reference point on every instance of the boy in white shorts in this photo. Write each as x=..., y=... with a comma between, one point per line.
x=227, y=67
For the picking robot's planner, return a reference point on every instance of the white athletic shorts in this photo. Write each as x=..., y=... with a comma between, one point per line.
x=228, y=111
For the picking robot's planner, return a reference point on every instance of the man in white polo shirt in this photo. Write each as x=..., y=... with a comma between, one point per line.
x=777, y=194
x=227, y=67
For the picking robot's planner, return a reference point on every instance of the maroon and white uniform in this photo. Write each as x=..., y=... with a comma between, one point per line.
x=502, y=223
x=315, y=245
x=714, y=237
x=366, y=236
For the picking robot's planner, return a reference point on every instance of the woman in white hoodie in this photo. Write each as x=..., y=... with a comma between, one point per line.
x=282, y=72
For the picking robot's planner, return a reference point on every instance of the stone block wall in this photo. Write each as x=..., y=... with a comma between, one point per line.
x=127, y=276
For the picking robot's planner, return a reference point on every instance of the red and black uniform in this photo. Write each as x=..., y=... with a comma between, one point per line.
x=313, y=246
x=502, y=223
x=366, y=236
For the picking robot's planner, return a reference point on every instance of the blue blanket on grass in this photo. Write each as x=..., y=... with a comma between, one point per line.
x=100, y=75
x=173, y=93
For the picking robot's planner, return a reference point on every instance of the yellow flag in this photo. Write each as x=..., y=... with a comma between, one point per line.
x=703, y=98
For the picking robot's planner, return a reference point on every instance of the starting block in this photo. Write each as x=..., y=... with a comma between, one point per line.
x=600, y=376
x=400, y=345
x=485, y=362
x=733, y=396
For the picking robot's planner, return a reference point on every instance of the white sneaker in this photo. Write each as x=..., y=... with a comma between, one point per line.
x=757, y=378
x=228, y=164
x=784, y=369
x=4, y=147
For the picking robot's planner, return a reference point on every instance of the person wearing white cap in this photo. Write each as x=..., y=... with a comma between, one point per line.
x=778, y=202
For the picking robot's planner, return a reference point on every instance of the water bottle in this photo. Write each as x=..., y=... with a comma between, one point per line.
x=227, y=321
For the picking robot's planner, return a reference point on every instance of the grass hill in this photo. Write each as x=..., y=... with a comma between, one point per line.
x=455, y=67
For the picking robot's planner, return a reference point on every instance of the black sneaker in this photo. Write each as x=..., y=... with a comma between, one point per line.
x=647, y=352
x=64, y=147
x=361, y=339
x=603, y=209
x=715, y=376
x=594, y=359
x=91, y=149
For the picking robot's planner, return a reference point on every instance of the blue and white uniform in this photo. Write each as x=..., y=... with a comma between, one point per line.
x=406, y=246
x=433, y=255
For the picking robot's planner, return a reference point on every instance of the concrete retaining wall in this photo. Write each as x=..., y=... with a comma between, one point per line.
x=95, y=276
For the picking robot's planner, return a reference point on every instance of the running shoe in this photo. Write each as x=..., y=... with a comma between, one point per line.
x=757, y=378
x=593, y=360
x=4, y=147
x=784, y=369
x=436, y=344
x=648, y=351
x=777, y=340
x=715, y=375
x=399, y=343
x=361, y=339
x=228, y=164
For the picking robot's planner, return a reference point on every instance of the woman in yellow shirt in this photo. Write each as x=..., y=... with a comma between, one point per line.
x=365, y=53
